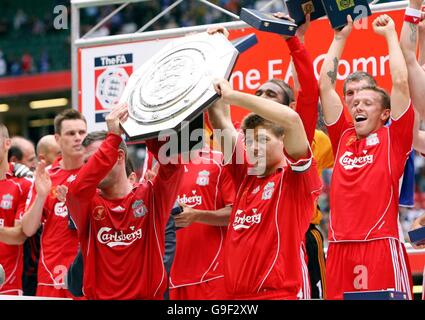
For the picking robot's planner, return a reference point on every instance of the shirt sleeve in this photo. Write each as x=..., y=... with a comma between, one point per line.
x=401, y=138
x=308, y=94
x=82, y=190
x=336, y=130
x=305, y=186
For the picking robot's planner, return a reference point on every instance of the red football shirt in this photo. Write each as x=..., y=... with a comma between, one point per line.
x=122, y=240
x=263, y=250
x=13, y=194
x=206, y=185
x=58, y=243
x=365, y=180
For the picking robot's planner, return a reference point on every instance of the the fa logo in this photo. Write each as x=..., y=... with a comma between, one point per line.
x=6, y=202
x=372, y=139
x=139, y=208
x=268, y=191
x=203, y=178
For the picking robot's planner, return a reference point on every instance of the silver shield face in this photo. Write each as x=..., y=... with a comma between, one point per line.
x=175, y=85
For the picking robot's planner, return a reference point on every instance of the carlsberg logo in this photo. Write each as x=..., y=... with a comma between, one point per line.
x=244, y=221
x=350, y=163
x=113, y=239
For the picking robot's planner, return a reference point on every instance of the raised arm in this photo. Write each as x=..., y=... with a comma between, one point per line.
x=220, y=118
x=223, y=129
x=295, y=139
x=31, y=219
x=82, y=190
x=418, y=135
x=384, y=26
x=408, y=42
x=421, y=40
x=331, y=102
x=308, y=90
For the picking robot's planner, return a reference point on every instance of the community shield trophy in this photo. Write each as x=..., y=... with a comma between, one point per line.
x=176, y=84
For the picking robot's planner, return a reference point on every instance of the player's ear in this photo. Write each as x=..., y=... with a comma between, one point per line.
x=121, y=155
x=7, y=143
x=385, y=115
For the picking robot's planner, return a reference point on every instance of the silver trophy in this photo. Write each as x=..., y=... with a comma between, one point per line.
x=175, y=85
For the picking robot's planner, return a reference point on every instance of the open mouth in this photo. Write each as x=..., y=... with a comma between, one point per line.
x=360, y=118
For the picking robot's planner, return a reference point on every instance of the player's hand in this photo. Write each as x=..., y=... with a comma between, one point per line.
x=224, y=90
x=61, y=192
x=218, y=29
x=20, y=170
x=346, y=31
x=418, y=223
x=416, y=4
x=186, y=218
x=283, y=16
x=43, y=184
x=149, y=175
x=117, y=115
x=384, y=26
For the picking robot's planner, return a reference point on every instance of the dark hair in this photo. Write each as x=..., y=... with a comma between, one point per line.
x=252, y=121
x=68, y=114
x=129, y=166
x=385, y=97
x=100, y=136
x=288, y=92
x=358, y=76
x=16, y=152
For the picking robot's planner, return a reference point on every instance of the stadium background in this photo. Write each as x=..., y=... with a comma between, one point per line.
x=35, y=66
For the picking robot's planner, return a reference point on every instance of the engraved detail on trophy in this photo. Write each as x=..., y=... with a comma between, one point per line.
x=344, y=4
x=308, y=7
x=175, y=85
x=166, y=83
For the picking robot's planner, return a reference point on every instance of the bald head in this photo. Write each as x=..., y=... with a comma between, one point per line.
x=22, y=151
x=48, y=149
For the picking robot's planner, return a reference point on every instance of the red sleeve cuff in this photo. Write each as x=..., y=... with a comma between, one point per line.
x=294, y=43
x=114, y=139
x=302, y=164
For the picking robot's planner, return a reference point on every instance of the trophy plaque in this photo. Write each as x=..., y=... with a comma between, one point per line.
x=417, y=236
x=338, y=10
x=264, y=21
x=175, y=85
x=376, y=295
x=298, y=9
x=244, y=43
